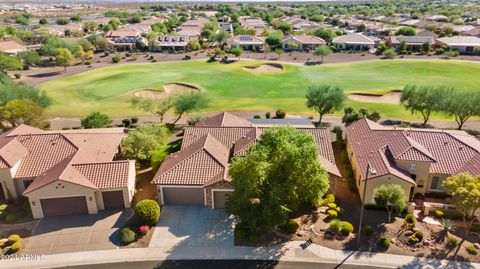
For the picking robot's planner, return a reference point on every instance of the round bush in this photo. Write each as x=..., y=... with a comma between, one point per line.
x=385, y=243
x=10, y=218
x=419, y=235
x=452, y=241
x=439, y=214
x=368, y=231
x=88, y=63
x=18, y=75
x=134, y=119
x=13, y=238
x=148, y=211
x=347, y=228
x=332, y=213
x=127, y=236
x=280, y=114
x=332, y=206
x=472, y=250
x=267, y=115
x=335, y=225
x=292, y=226
x=410, y=218
x=15, y=247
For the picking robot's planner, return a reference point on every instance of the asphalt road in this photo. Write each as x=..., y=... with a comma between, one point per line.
x=219, y=264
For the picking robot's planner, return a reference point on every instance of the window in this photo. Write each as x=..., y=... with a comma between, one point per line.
x=420, y=183
x=413, y=166
x=27, y=183
x=436, y=184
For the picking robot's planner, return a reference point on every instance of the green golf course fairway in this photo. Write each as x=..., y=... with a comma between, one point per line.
x=230, y=87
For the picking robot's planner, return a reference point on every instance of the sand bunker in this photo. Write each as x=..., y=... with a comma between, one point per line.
x=171, y=89
x=392, y=97
x=264, y=68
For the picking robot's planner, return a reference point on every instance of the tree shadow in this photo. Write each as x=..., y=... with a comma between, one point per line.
x=422, y=263
x=44, y=75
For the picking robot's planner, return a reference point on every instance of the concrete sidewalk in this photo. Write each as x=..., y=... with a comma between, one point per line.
x=291, y=251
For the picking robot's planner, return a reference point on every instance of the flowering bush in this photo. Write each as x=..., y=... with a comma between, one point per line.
x=143, y=229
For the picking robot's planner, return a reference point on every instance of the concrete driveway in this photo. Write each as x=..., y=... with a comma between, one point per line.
x=192, y=226
x=77, y=233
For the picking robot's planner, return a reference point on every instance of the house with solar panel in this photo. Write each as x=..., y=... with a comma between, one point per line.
x=413, y=43
x=248, y=42
x=125, y=39
x=171, y=43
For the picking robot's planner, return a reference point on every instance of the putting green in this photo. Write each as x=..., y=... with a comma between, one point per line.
x=230, y=87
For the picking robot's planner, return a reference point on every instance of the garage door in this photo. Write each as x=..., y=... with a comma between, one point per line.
x=64, y=206
x=113, y=199
x=183, y=196
x=220, y=197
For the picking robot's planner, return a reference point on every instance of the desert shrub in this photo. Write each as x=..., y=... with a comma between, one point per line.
x=196, y=119
x=384, y=243
x=410, y=218
x=332, y=206
x=451, y=53
x=10, y=218
x=330, y=198
x=472, y=250
x=88, y=63
x=291, y=226
x=267, y=115
x=452, y=241
x=126, y=122
x=158, y=156
x=15, y=247
x=256, y=116
x=253, y=238
x=18, y=75
x=453, y=215
x=368, y=231
x=280, y=114
x=335, y=225
x=347, y=228
x=148, y=211
x=116, y=58
x=419, y=235
x=13, y=238
x=143, y=230
x=127, y=236
x=439, y=214
x=151, y=57
x=332, y=213
x=106, y=53
x=134, y=120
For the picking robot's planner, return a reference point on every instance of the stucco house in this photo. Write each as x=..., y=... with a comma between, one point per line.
x=416, y=159
x=65, y=172
x=11, y=47
x=198, y=173
x=413, y=43
x=355, y=42
x=302, y=42
x=125, y=39
x=463, y=44
x=247, y=42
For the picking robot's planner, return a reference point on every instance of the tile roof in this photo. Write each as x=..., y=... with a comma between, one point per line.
x=84, y=158
x=225, y=119
x=353, y=39
x=448, y=152
x=305, y=39
x=410, y=40
x=207, y=149
x=8, y=46
x=460, y=41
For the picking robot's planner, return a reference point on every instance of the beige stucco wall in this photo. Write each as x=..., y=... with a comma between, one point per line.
x=374, y=183
x=7, y=182
x=58, y=189
x=209, y=191
x=421, y=171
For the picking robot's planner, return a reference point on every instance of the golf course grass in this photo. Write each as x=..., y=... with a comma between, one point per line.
x=230, y=87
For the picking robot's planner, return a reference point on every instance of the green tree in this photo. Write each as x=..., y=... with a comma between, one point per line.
x=461, y=105
x=325, y=33
x=406, y=31
x=279, y=174
x=96, y=120
x=237, y=52
x=8, y=62
x=23, y=111
x=62, y=21
x=221, y=37
x=30, y=57
x=465, y=196
x=402, y=47
x=389, y=53
x=323, y=51
x=144, y=140
x=158, y=107
x=43, y=21
x=160, y=28
x=423, y=100
x=194, y=45
x=184, y=104
x=76, y=17
x=274, y=40
x=9, y=90
x=391, y=197
x=99, y=42
x=325, y=99
x=90, y=26
x=285, y=27
x=64, y=58
x=426, y=47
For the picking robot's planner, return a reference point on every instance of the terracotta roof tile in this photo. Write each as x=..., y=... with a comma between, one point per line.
x=225, y=119
x=105, y=175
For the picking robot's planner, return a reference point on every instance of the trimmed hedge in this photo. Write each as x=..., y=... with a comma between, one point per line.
x=472, y=250
x=13, y=238
x=127, y=236
x=148, y=211
x=291, y=226
x=385, y=243
x=15, y=247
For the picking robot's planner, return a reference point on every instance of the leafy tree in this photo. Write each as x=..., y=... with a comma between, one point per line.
x=144, y=140
x=423, y=100
x=96, y=120
x=278, y=175
x=426, y=47
x=8, y=62
x=194, y=45
x=187, y=103
x=323, y=51
x=465, y=196
x=391, y=197
x=30, y=57
x=43, y=21
x=406, y=31
x=237, y=52
x=361, y=28
x=84, y=55
x=76, y=17
x=350, y=115
x=402, y=47
x=461, y=105
x=324, y=99
x=285, y=27
x=21, y=19
x=274, y=39
x=159, y=28
x=221, y=37
x=9, y=90
x=62, y=21
x=389, y=53
x=99, y=42
x=325, y=33
x=23, y=111
x=90, y=26
x=64, y=58
x=158, y=107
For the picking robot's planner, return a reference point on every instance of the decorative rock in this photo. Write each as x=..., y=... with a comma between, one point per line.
x=3, y=240
x=409, y=233
x=393, y=240
x=476, y=245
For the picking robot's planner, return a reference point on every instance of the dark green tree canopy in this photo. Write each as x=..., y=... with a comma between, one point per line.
x=423, y=100
x=325, y=99
x=96, y=120
x=278, y=175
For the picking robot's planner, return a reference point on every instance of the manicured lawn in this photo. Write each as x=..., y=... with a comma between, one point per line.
x=232, y=88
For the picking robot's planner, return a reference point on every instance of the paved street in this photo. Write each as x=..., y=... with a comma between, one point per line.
x=76, y=233
x=192, y=226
